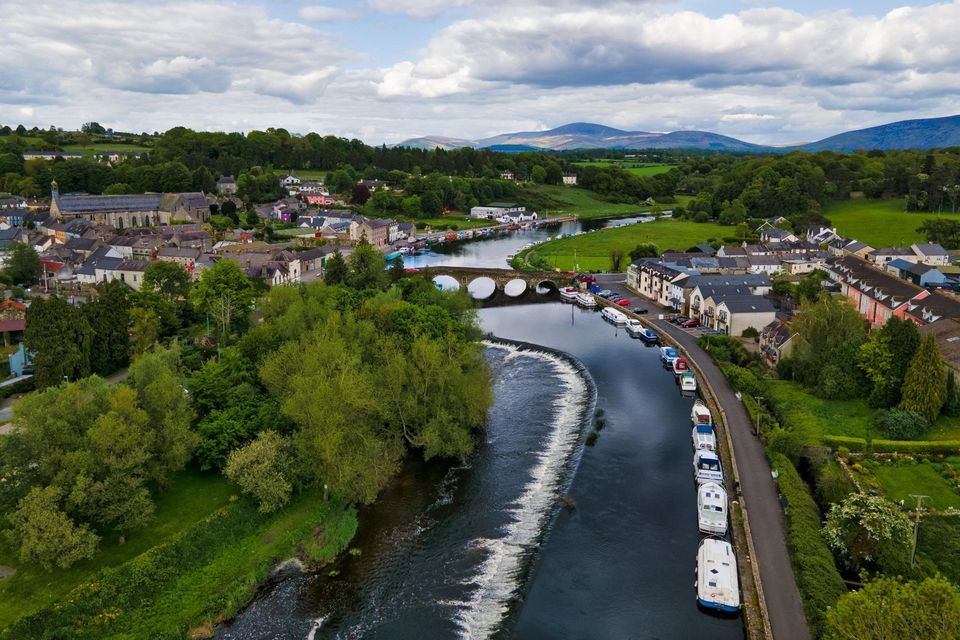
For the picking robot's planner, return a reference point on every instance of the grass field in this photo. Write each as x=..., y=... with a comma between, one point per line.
x=900, y=480
x=879, y=223
x=593, y=249
x=89, y=150
x=630, y=166
x=815, y=417
x=560, y=200
x=191, y=497
x=460, y=222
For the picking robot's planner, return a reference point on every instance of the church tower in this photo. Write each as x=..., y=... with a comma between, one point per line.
x=54, y=194
x=54, y=190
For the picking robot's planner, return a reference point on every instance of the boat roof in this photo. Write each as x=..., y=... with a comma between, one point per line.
x=718, y=571
x=704, y=428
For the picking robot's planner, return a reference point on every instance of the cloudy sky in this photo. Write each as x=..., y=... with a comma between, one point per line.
x=780, y=71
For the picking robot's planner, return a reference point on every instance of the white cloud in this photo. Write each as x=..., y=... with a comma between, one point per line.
x=746, y=117
x=417, y=8
x=323, y=13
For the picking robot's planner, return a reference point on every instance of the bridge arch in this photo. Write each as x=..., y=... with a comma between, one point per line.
x=546, y=287
x=446, y=283
x=482, y=288
x=515, y=288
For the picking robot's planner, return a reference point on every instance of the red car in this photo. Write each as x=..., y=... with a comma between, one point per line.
x=623, y=302
x=689, y=324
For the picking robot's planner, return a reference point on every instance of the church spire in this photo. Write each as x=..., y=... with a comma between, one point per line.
x=54, y=190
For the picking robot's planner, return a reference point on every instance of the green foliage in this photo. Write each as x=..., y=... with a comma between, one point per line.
x=45, y=535
x=892, y=446
x=260, y=469
x=23, y=264
x=59, y=336
x=725, y=349
x=750, y=332
x=925, y=381
x=743, y=380
x=900, y=424
x=144, y=330
x=616, y=260
x=888, y=607
x=225, y=293
x=367, y=267
x=336, y=270
x=644, y=250
x=866, y=531
x=951, y=407
x=108, y=316
x=830, y=333
x=208, y=571
x=817, y=577
x=167, y=279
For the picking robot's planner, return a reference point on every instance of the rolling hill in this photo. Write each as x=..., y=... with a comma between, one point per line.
x=907, y=134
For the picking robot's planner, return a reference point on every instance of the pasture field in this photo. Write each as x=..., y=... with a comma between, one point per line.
x=879, y=223
x=635, y=167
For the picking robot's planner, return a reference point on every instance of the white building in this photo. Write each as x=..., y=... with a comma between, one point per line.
x=290, y=181
x=496, y=210
x=570, y=178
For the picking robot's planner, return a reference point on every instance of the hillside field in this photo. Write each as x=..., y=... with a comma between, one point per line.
x=879, y=223
x=593, y=249
x=635, y=167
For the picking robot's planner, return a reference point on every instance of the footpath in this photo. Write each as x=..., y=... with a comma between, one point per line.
x=759, y=492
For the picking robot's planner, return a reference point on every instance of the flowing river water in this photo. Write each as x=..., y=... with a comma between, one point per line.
x=538, y=535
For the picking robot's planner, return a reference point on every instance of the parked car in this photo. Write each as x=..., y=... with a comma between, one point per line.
x=623, y=302
x=606, y=293
x=691, y=323
x=678, y=319
x=639, y=310
x=613, y=297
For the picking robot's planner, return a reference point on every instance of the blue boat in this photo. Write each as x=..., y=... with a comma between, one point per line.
x=392, y=256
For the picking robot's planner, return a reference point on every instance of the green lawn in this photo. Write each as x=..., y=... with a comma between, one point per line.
x=879, y=223
x=461, y=222
x=305, y=174
x=89, y=150
x=630, y=166
x=191, y=497
x=815, y=417
x=900, y=480
x=593, y=249
x=565, y=200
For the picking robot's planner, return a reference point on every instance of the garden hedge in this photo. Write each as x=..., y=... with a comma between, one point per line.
x=893, y=446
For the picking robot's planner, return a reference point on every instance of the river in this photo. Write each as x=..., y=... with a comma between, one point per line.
x=539, y=535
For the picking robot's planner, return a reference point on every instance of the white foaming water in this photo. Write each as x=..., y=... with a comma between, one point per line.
x=317, y=625
x=497, y=578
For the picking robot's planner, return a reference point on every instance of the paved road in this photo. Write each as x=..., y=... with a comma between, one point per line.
x=756, y=484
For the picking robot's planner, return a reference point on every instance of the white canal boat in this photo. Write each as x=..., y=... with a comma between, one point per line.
x=569, y=293
x=615, y=316
x=704, y=437
x=718, y=587
x=700, y=414
x=706, y=467
x=586, y=300
x=712, y=509
x=634, y=327
x=688, y=384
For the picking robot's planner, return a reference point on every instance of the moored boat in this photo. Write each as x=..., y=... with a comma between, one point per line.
x=700, y=414
x=712, y=509
x=680, y=366
x=704, y=437
x=614, y=315
x=568, y=293
x=586, y=300
x=668, y=355
x=688, y=383
x=649, y=336
x=634, y=328
x=706, y=467
x=718, y=587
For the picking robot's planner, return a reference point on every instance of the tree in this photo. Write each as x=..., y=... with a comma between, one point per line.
x=395, y=273
x=43, y=534
x=644, y=250
x=23, y=265
x=144, y=330
x=898, y=424
x=431, y=203
x=118, y=188
x=732, y=213
x=866, y=531
x=175, y=177
x=410, y=207
x=616, y=259
x=360, y=194
x=161, y=392
x=367, y=267
x=830, y=334
x=261, y=469
x=925, y=382
x=811, y=285
x=167, y=279
x=109, y=318
x=889, y=608
x=229, y=209
x=225, y=292
x=59, y=336
x=538, y=174
x=336, y=270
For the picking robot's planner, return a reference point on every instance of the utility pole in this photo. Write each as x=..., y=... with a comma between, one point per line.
x=916, y=527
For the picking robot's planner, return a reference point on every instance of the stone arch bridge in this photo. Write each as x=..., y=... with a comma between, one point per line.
x=499, y=285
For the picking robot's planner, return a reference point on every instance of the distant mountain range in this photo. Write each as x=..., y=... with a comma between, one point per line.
x=906, y=134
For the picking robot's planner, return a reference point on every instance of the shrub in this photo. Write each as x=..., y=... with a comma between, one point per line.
x=750, y=332
x=743, y=380
x=894, y=446
x=901, y=424
x=817, y=577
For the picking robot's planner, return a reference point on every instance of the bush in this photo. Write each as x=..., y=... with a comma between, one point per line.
x=901, y=424
x=946, y=447
x=743, y=380
x=750, y=332
x=817, y=577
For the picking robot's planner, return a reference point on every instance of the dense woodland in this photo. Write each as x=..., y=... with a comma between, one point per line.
x=727, y=188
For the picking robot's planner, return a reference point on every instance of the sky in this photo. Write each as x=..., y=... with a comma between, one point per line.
x=770, y=72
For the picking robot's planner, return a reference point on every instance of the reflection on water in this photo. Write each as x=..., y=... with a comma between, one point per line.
x=487, y=550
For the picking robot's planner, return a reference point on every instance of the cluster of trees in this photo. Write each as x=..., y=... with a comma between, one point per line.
x=618, y=185
x=896, y=369
x=85, y=459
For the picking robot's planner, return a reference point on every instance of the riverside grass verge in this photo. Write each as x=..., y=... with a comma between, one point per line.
x=593, y=249
x=202, y=576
